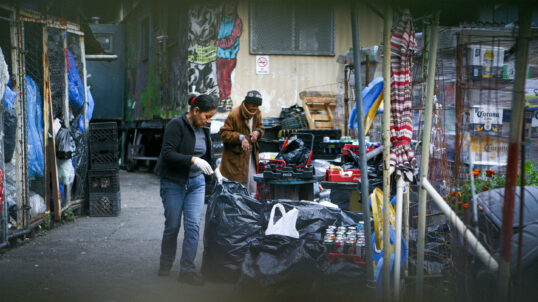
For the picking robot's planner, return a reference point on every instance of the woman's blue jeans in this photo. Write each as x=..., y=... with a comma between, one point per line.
x=178, y=199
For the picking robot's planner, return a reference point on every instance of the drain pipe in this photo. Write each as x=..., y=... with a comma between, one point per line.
x=518, y=110
x=386, y=148
x=362, y=147
x=398, y=243
x=425, y=155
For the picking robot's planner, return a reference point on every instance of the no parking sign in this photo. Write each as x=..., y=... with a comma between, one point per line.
x=262, y=64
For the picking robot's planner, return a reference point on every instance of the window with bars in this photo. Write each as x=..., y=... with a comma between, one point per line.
x=292, y=28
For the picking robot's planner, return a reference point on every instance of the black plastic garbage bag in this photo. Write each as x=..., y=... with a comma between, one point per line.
x=233, y=220
x=281, y=268
x=343, y=280
x=80, y=162
x=313, y=218
x=295, y=152
x=10, y=127
x=65, y=145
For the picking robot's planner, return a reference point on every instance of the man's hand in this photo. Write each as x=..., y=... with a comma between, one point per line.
x=254, y=136
x=245, y=145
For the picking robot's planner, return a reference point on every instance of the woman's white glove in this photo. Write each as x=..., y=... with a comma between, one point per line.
x=203, y=165
x=218, y=175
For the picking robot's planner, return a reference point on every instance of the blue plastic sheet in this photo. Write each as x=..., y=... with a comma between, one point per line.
x=76, y=87
x=34, y=114
x=89, y=112
x=369, y=96
x=9, y=98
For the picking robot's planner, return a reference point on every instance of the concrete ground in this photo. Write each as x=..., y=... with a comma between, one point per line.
x=104, y=259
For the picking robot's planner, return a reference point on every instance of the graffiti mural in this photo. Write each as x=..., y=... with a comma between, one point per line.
x=213, y=38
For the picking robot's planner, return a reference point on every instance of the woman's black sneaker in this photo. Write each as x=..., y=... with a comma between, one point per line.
x=191, y=278
x=164, y=271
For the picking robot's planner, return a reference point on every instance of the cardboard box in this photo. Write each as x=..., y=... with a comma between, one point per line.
x=486, y=61
x=487, y=120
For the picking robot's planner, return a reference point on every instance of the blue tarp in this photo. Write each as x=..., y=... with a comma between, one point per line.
x=76, y=87
x=34, y=111
x=89, y=113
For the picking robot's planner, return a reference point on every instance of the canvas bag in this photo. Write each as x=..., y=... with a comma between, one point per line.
x=285, y=226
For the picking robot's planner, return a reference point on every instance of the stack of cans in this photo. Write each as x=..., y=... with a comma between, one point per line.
x=344, y=240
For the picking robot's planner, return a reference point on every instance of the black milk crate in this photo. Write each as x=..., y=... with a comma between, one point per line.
x=105, y=204
x=103, y=181
x=103, y=133
x=104, y=156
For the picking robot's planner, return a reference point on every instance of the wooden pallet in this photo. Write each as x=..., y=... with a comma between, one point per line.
x=319, y=111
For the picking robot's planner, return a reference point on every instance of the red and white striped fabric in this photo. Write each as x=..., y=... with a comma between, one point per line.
x=403, y=46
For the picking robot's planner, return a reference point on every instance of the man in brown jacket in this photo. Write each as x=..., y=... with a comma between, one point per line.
x=240, y=134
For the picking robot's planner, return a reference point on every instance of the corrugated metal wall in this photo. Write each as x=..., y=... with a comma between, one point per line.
x=289, y=75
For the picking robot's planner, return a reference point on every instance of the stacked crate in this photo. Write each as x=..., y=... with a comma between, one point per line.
x=103, y=177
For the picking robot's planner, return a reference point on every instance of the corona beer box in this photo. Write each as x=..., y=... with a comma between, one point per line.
x=487, y=120
x=485, y=62
x=489, y=151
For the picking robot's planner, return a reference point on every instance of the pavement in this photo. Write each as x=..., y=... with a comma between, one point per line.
x=104, y=259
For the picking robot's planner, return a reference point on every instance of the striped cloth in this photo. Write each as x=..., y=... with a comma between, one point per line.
x=403, y=46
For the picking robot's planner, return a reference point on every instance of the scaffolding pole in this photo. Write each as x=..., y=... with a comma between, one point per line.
x=518, y=111
x=362, y=147
x=386, y=149
x=425, y=154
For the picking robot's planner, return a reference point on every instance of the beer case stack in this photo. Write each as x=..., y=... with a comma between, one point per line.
x=103, y=177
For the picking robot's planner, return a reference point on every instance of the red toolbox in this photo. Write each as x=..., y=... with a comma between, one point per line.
x=337, y=175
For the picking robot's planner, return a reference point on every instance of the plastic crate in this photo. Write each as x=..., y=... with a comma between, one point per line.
x=103, y=181
x=105, y=204
x=104, y=157
x=103, y=133
x=336, y=175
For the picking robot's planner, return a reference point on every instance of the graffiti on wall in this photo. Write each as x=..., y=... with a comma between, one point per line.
x=213, y=40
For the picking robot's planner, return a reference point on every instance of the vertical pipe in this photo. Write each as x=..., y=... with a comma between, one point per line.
x=406, y=225
x=346, y=96
x=425, y=155
x=386, y=149
x=398, y=243
x=65, y=106
x=21, y=146
x=518, y=110
x=46, y=99
x=362, y=147
x=473, y=190
x=84, y=81
x=521, y=212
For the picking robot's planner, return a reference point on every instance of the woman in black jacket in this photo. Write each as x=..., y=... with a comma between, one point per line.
x=185, y=157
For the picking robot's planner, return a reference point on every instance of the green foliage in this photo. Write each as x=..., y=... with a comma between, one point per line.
x=68, y=216
x=44, y=226
x=531, y=174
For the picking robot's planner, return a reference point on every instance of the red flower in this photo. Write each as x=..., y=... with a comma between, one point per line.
x=476, y=173
x=466, y=205
x=484, y=189
x=490, y=173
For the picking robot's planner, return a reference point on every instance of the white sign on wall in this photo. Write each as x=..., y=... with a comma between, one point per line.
x=262, y=64
x=487, y=119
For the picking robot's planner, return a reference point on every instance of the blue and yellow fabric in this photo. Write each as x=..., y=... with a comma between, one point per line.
x=372, y=97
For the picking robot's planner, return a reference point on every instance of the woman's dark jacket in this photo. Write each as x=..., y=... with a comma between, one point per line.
x=178, y=148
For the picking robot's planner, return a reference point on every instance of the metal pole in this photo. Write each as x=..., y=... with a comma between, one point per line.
x=474, y=244
x=473, y=190
x=362, y=147
x=398, y=243
x=406, y=225
x=518, y=109
x=84, y=81
x=425, y=155
x=386, y=150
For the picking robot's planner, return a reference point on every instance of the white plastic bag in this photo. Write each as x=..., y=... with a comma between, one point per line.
x=285, y=225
